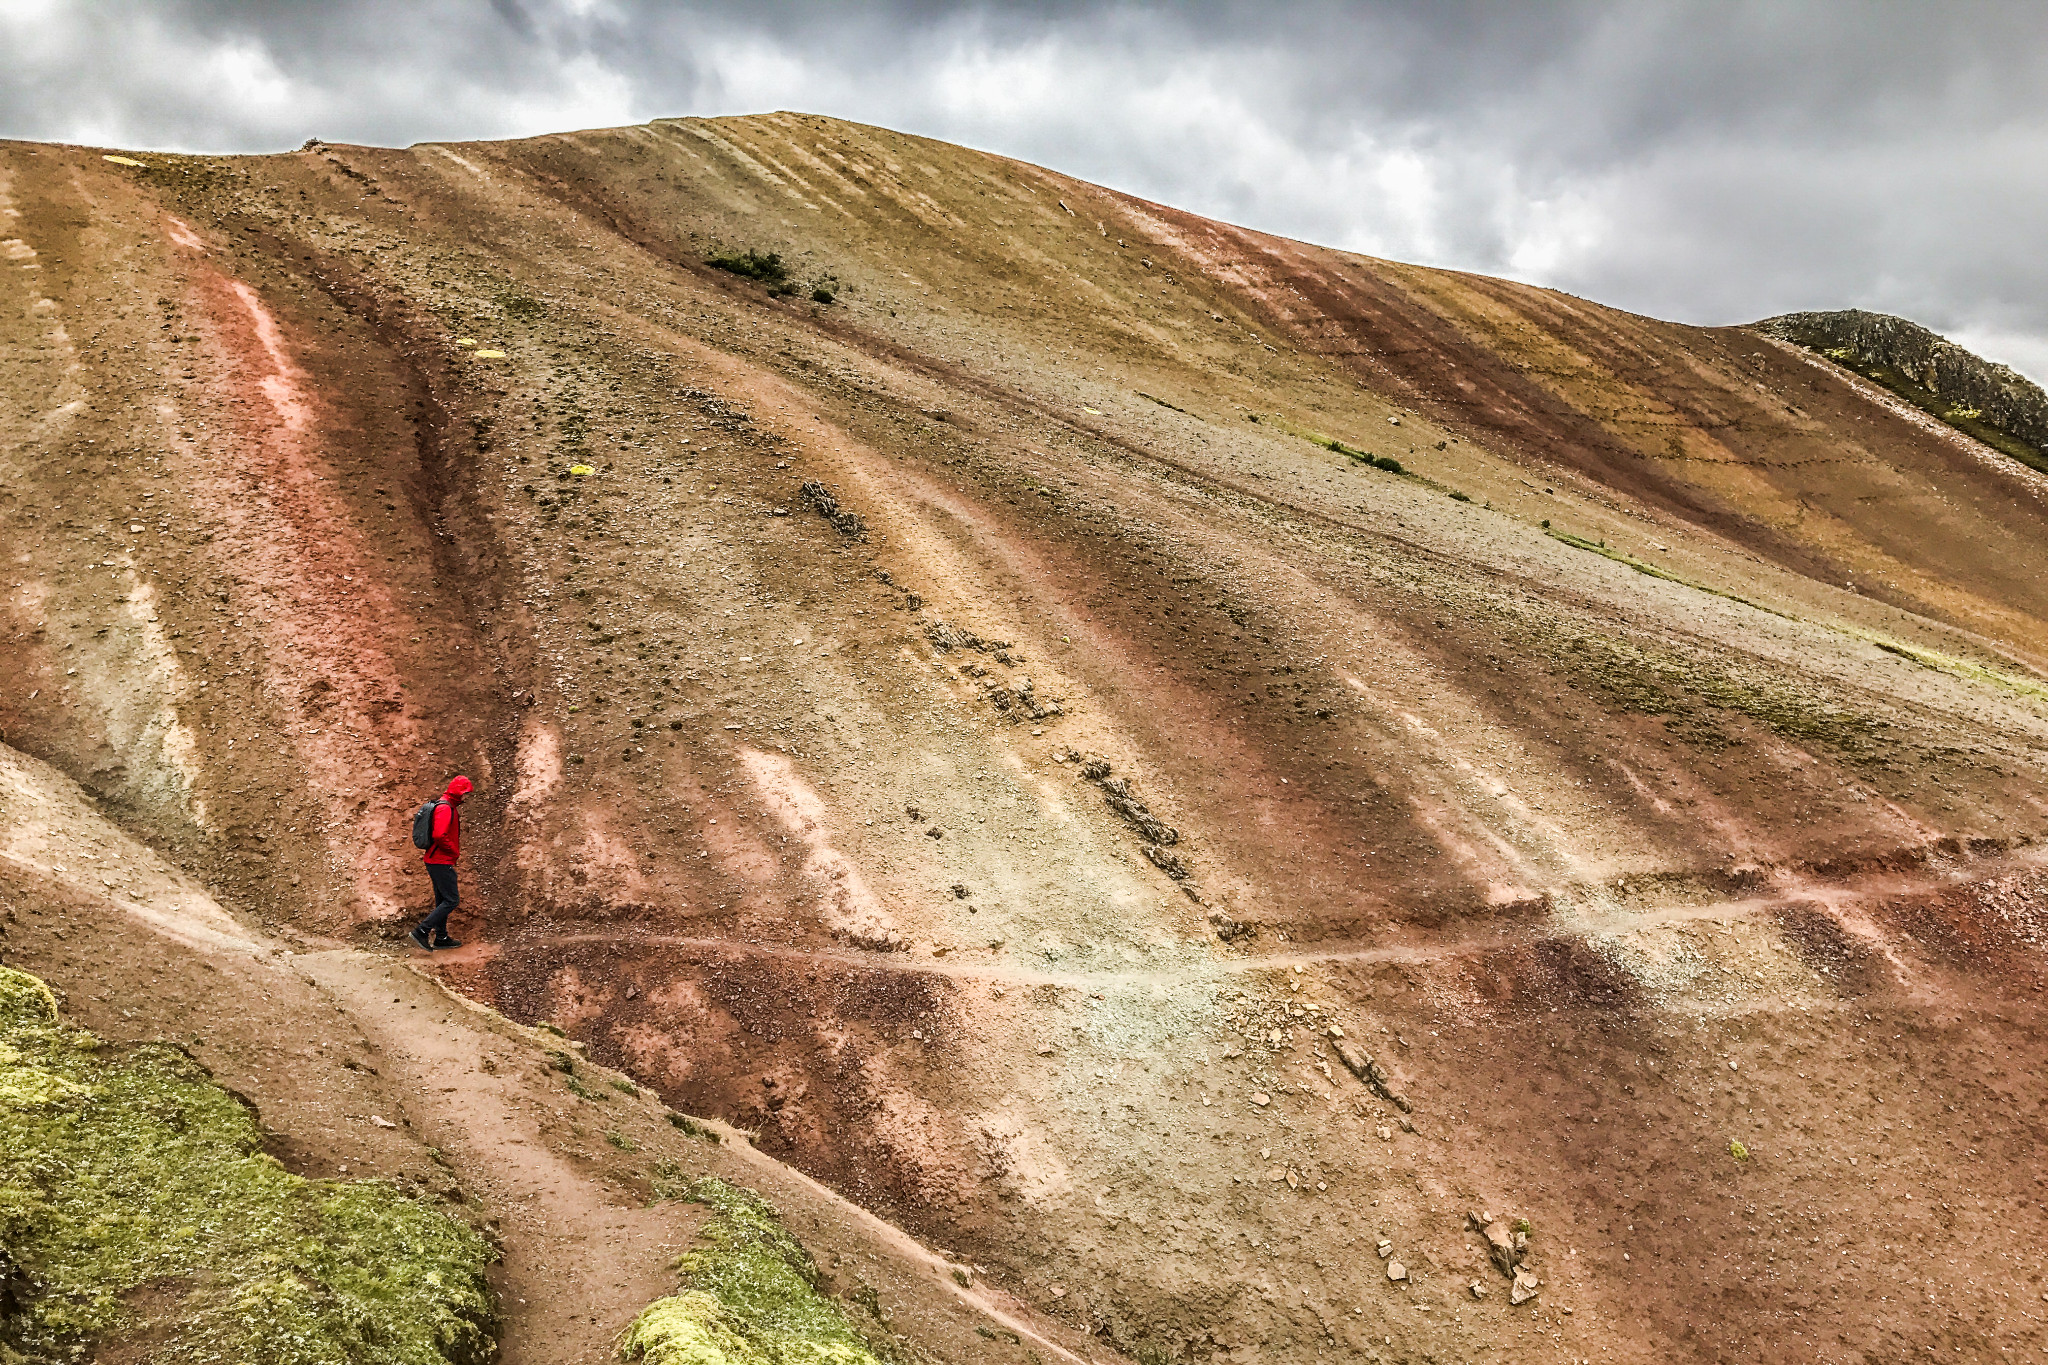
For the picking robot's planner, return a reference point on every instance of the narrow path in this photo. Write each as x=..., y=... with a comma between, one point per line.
x=582, y=1258
x=1835, y=895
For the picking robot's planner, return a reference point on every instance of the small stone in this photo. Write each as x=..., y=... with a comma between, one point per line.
x=1523, y=1289
x=1407, y=1125
x=1386, y=1133
x=381, y=1121
x=1385, y=1248
x=1277, y=1173
x=1501, y=1248
x=1396, y=1271
x=1261, y=1098
x=1478, y=1289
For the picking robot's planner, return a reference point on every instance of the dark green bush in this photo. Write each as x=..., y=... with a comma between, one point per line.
x=754, y=265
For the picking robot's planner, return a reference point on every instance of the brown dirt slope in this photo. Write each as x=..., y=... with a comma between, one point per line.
x=1012, y=851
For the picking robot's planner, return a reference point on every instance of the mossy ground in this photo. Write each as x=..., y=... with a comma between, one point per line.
x=134, y=1172
x=751, y=1297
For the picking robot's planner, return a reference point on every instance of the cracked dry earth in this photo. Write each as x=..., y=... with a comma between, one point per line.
x=984, y=737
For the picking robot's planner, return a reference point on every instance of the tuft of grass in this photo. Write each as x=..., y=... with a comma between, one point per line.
x=625, y=1087
x=1737, y=1150
x=689, y=1127
x=620, y=1140
x=750, y=1296
x=132, y=1168
x=822, y=295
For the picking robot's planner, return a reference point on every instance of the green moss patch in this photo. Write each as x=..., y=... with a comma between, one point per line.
x=752, y=1296
x=131, y=1176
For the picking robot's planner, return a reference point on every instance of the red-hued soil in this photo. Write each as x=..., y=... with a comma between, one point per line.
x=1615, y=873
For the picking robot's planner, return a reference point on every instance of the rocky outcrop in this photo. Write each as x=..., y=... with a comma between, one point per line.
x=1376, y=1077
x=1966, y=385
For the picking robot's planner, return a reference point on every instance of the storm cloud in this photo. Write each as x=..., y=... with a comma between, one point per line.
x=1712, y=162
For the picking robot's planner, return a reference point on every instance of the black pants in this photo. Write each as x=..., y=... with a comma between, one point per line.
x=435, y=925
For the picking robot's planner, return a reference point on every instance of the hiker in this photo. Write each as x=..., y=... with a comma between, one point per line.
x=440, y=822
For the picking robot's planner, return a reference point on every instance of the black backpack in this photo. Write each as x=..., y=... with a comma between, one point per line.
x=423, y=824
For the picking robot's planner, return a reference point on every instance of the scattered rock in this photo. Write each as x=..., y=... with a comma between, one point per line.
x=1172, y=864
x=1478, y=1289
x=1386, y=1134
x=843, y=520
x=1407, y=1125
x=1117, y=792
x=1524, y=1288
x=1385, y=1248
x=1361, y=1065
x=1500, y=1248
x=1396, y=1271
x=381, y=1121
x=1261, y=1098
x=1020, y=701
x=947, y=637
x=1227, y=929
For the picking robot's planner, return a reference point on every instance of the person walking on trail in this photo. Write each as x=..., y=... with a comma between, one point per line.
x=438, y=829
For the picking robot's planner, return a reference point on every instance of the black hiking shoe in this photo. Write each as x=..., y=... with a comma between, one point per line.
x=420, y=938
x=446, y=942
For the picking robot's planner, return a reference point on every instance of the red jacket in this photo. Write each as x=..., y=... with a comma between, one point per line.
x=447, y=845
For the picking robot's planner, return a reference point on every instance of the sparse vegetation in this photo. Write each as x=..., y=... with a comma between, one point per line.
x=690, y=1127
x=1737, y=1150
x=519, y=307
x=1927, y=658
x=120, y=1169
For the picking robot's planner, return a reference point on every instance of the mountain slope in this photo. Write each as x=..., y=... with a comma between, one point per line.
x=995, y=734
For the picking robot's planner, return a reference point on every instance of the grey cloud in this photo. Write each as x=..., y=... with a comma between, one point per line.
x=1713, y=161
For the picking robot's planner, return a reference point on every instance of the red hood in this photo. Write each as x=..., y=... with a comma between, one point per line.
x=458, y=788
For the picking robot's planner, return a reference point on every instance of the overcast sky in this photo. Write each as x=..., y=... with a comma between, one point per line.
x=1712, y=162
